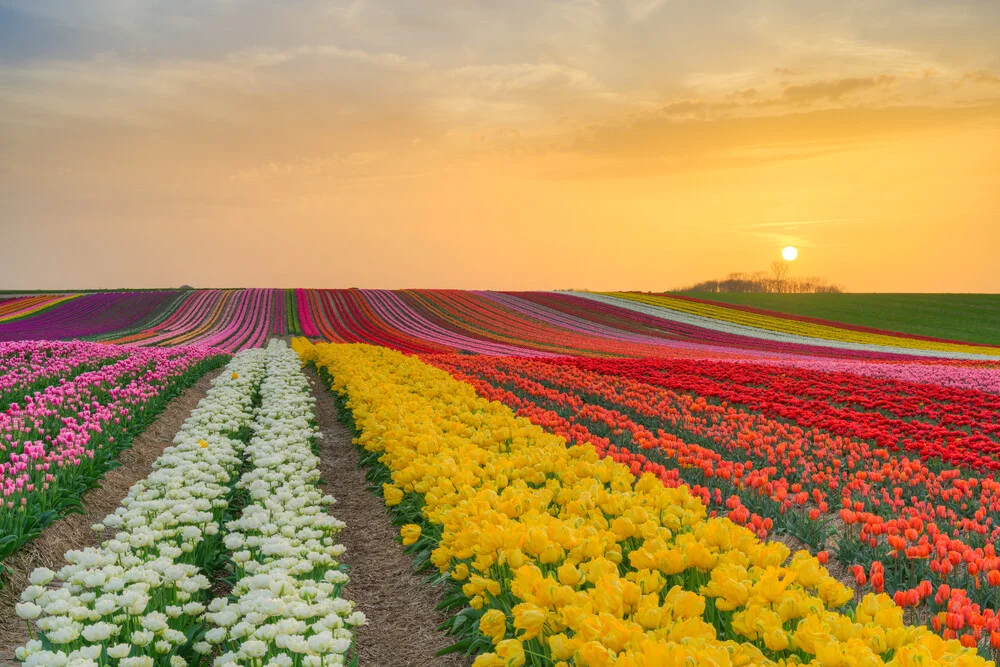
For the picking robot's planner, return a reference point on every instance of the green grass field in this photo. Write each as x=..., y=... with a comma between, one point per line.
x=974, y=318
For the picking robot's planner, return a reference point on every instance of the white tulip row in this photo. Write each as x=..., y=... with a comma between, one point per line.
x=285, y=607
x=135, y=600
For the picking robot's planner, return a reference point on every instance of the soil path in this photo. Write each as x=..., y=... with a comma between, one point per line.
x=402, y=619
x=73, y=532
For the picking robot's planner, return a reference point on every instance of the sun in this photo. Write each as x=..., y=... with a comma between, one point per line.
x=789, y=253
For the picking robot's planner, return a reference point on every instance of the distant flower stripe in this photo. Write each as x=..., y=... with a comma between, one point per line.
x=481, y=317
x=305, y=309
x=228, y=319
x=979, y=378
x=790, y=335
x=540, y=324
x=826, y=323
x=344, y=316
x=11, y=309
x=86, y=316
x=454, y=333
x=699, y=340
x=779, y=323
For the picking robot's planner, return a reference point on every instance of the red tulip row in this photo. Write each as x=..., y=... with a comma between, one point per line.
x=961, y=427
x=909, y=524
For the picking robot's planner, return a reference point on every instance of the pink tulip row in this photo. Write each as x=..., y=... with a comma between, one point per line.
x=979, y=376
x=29, y=366
x=57, y=442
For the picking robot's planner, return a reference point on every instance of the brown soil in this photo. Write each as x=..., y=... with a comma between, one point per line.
x=73, y=532
x=402, y=620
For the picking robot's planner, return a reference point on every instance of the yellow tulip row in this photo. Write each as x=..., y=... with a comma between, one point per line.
x=797, y=327
x=569, y=559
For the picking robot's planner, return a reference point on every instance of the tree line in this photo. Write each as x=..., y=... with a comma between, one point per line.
x=762, y=282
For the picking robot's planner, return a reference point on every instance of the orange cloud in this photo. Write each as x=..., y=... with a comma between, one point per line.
x=833, y=90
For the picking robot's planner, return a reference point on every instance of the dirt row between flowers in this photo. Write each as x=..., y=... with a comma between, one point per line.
x=73, y=532
x=401, y=609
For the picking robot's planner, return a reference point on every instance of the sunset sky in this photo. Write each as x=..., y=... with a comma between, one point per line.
x=507, y=144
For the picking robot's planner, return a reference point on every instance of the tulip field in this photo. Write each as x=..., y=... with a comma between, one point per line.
x=592, y=479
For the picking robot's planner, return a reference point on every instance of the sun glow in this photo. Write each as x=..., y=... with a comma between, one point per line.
x=789, y=253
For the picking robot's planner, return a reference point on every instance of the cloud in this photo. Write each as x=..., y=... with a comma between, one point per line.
x=980, y=76
x=313, y=166
x=792, y=224
x=834, y=90
x=111, y=89
x=885, y=56
x=501, y=78
x=651, y=142
x=264, y=58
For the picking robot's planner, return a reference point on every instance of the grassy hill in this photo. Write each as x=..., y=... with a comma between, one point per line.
x=973, y=318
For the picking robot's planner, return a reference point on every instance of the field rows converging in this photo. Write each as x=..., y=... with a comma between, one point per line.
x=442, y=321
x=521, y=478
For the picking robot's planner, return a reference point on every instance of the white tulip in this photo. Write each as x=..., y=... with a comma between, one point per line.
x=27, y=610
x=41, y=576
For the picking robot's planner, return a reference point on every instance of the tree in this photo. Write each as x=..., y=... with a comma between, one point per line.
x=779, y=269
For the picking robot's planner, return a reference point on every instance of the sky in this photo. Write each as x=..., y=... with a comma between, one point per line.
x=485, y=144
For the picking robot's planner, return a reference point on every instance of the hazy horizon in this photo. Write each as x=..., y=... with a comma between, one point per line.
x=613, y=144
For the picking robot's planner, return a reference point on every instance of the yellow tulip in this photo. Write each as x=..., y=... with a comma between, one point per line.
x=775, y=639
x=671, y=561
x=734, y=594
x=631, y=595
x=410, y=533
x=529, y=619
x=489, y=660
x=594, y=654
x=684, y=604
x=493, y=624
x=623, y=528
x=773, y=584
x=515, y=558
x=393, y=495
x=512, y=652
x=569, y=575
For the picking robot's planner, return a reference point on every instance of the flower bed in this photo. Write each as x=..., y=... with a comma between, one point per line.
x=144, y=597
x=558, y=556
x=285, y=606
x=28, y=366
x=58, y=442
x=139, y=597
x=918, y=530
